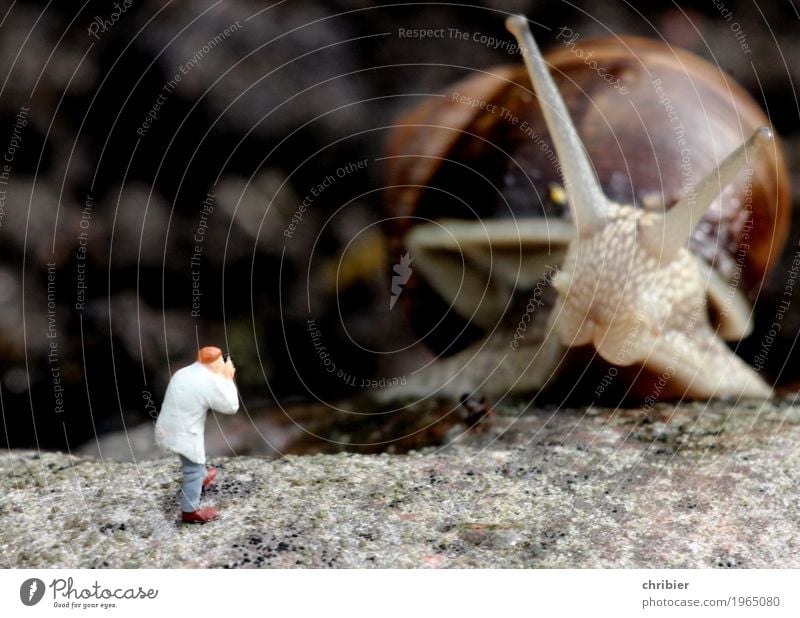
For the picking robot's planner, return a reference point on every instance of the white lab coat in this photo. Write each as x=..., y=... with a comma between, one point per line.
x=191, y=392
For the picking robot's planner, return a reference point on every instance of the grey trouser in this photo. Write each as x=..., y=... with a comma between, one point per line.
x=193, y=476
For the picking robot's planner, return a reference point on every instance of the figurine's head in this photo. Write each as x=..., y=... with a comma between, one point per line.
x=211, y=357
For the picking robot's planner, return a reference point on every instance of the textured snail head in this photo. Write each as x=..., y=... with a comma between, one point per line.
x=613, y=294
x=628, y=285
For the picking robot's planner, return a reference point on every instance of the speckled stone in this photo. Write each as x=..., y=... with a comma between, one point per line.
x=692, y=486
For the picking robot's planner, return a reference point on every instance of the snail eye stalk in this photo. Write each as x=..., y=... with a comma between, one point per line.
x=668, y=234
x=586, y=198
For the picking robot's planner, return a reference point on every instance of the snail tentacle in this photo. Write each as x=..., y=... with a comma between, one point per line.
x=476, y=266
x=585, y=195
x=666, y=235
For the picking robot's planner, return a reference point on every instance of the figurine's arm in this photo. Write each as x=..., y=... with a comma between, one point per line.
x=223, y=396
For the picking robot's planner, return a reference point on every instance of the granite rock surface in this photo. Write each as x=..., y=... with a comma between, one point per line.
x=705, y=486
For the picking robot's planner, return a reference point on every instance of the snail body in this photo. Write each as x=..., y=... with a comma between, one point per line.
x=640, y=214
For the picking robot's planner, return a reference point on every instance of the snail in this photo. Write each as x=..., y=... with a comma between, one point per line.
x=621, y=214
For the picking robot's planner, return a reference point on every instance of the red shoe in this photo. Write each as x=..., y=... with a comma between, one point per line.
x=211, y=476
x=200, y=516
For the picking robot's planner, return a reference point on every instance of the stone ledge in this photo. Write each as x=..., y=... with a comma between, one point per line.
x=695, y=486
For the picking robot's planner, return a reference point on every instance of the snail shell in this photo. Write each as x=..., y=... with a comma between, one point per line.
x=477, y=196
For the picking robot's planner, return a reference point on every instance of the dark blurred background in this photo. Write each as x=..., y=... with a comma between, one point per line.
x=135, y=128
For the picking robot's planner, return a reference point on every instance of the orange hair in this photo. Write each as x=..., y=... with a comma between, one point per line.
x=208, y=354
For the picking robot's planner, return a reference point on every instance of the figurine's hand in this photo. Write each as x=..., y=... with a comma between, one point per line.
x=229, y=370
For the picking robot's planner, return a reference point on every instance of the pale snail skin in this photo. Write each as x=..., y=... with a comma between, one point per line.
x=627, y=285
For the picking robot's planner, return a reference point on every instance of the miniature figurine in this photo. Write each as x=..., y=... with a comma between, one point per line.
x=192, y=391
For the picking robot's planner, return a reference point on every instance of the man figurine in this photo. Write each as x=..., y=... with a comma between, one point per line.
x=192, y=391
